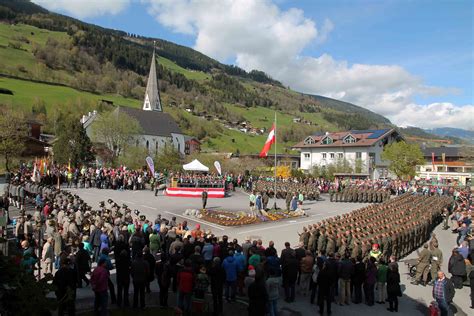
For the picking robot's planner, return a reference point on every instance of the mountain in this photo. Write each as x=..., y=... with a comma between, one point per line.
x=51, y=64
x=453, y=132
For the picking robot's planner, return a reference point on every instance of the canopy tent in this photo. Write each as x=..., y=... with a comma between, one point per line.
x=195, y=165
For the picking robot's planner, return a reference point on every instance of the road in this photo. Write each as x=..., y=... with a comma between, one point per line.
x=279, y=232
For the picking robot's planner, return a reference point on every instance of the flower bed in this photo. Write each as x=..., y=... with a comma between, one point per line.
x=227, y=218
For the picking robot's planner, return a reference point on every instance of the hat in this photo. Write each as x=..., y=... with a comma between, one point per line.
x=375, y=246
x=198, y=226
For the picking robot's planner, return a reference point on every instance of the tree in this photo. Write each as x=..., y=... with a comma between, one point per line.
x=72, y=143
x=403, y=158
x=116, y=130
x=168, y=158
x=13, y=133
x=134, y=157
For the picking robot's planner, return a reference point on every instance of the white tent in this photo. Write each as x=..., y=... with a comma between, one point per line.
x=195, y=165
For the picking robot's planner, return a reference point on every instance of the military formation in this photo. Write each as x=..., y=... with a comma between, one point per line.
x=396, y=228
x=359, y=195
x=310, y=191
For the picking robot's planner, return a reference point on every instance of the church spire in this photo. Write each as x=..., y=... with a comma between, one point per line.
x=152, y=100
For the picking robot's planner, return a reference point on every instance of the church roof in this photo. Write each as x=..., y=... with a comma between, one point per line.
x=153, y=122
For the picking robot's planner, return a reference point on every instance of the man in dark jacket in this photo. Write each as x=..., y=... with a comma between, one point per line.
x=457, y=268
x=122, y=264
x=139, y=272
x=443, y=292
x=95, y=241
x=258, y=297
x=324, y=289
x=286, y=254
x=289, y=274
x=65, y=282
x=217, y=275
x=358, y=279
x=152, y=264
x=204, y=198
x=345, y=272
x=83, y=265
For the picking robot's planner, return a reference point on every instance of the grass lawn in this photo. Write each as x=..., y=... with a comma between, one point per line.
x=27, y=92
x=190, y=74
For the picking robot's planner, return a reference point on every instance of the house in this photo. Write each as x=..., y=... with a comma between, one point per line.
x=361, y=149
x=34, y=146
x=159, y=128
x=191, y=145
x=447, y=164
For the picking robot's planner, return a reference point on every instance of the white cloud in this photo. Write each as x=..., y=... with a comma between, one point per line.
x=436, y=115
x=85, y=8
x=259, y=35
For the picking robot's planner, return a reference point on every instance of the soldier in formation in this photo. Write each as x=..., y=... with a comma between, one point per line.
x=360, y=195
x=398, y=227
x=310, y=191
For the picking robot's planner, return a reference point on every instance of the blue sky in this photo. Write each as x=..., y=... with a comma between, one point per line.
x=413, y=56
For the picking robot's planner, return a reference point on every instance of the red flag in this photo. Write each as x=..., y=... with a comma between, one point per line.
x=268, y=144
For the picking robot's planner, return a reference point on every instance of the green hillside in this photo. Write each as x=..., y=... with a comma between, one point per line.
x=50, y=63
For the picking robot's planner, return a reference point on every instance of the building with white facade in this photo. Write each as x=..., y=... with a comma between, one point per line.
x=447, y=165
x=159, y=128
x=361, y=149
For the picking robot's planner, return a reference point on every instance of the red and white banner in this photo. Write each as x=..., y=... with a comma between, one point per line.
x=268, y=143
x=196, y=192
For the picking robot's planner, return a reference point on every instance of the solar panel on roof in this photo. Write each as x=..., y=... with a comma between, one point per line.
x=362, y=131
x=377, y=133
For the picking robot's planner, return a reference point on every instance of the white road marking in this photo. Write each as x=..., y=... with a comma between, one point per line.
x=128, y=202
x=274, y=226
x=197, y=220
x=146, y=206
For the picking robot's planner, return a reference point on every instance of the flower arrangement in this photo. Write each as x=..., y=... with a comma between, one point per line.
x=228, y=218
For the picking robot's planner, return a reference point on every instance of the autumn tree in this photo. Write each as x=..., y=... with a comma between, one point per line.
x=13, y=133
x=403, y=158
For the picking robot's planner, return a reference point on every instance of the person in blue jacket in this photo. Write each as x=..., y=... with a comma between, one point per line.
x=231, y=268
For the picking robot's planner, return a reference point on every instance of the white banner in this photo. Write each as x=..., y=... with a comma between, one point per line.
x=151, y=165
x=218, y=167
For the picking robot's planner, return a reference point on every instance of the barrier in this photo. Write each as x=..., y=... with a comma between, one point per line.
x=195, y=192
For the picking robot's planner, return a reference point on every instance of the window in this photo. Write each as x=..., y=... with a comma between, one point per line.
x=340, y=155
x=324, y=155
x=306, y=156
x=358, y=155
x=372, y=159
x=349, y=139
x=331, y=155
x=326, y=140
x=309, y=140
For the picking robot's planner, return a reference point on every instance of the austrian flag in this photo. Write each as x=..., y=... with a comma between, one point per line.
x=268, y=143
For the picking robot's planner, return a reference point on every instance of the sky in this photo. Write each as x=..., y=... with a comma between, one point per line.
x=411, y=61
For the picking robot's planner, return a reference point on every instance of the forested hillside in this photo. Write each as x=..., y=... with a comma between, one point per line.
x=77, y=67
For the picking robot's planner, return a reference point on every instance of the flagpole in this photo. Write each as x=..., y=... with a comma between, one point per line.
x=275, y=179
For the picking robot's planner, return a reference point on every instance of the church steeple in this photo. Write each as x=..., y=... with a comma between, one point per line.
x=152, y=100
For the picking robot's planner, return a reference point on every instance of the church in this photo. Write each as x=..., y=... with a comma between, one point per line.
x=159, y=128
